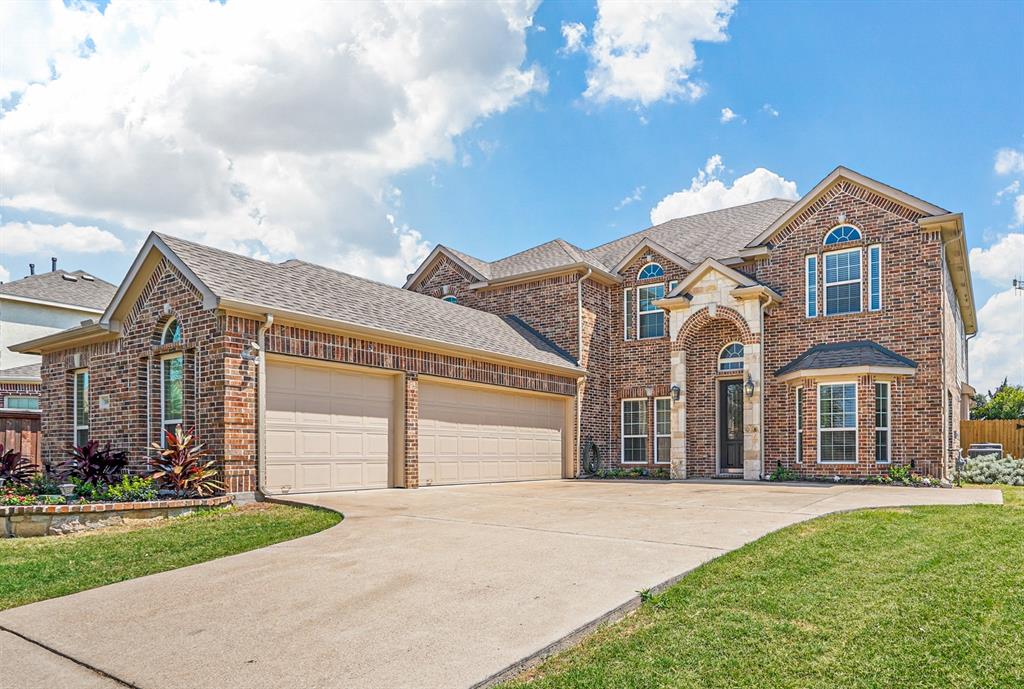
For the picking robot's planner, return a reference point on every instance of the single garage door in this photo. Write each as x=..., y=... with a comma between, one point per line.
x=327, y=428
x=471, y=434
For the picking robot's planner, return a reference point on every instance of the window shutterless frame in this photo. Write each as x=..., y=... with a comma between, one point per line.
x=662, y=430
x=799, y=412
x=829, y=393
x=172, y=394
x=633, y=429
x=841, y=278
x=80, y=410
x=21, y=402
x=883, y=423
x=650, y=317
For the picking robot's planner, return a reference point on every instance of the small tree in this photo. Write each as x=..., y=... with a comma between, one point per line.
x=1007, y=402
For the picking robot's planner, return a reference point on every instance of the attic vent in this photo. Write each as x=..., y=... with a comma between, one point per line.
x=89, y=278
x=69, y=278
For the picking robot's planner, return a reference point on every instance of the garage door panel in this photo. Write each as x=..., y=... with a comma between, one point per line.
x=315, y=443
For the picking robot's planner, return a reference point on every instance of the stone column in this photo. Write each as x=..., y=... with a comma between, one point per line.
x=678, y=452
x=752, y=412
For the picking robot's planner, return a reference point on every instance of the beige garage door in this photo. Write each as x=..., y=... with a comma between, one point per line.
x=476, y=435
x=327, y=428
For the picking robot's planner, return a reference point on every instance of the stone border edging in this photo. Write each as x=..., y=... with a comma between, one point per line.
x=89, y=507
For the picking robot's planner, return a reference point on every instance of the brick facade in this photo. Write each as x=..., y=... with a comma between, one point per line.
x=26, y=389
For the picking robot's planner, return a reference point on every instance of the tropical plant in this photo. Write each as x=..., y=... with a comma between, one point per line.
x=1007, y=402
x=93, y=464
x=15, y=470
x=132, y=489
x=181, y=467
x=992, y=469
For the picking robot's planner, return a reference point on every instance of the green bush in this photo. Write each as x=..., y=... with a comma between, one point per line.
x=132, y=489
x=991, y=469
x=781, y=473
x=44, y=484
x=87, y=491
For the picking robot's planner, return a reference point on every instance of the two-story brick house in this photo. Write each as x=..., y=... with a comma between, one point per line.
x=826, y=335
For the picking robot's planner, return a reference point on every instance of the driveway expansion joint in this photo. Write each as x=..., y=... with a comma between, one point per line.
x=72, y=659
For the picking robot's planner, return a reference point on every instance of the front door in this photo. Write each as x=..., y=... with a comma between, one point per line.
x=730, y=425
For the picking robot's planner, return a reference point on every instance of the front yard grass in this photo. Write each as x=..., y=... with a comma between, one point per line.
x=909, y=598
x=33, y=569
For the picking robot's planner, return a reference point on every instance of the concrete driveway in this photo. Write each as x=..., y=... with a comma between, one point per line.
x=437, y=587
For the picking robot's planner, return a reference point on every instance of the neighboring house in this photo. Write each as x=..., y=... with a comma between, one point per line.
x=35, y=306
x=826, y=335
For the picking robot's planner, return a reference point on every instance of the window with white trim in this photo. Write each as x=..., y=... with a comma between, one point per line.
x=875, y=277
x=837, y=423
x=883, y=429
x=450, y=299
x=843, y=233
x=80, y=413
x=628, y=315
x=842, y=282
x=19, y=402
x=634, y=431
x=650, y=271
x=731, y=357
x=662, y=430
x=672, y=285
x=799, y=412
x=171, y=333
x=172, y=393
x=650, y=319
x=811, y=282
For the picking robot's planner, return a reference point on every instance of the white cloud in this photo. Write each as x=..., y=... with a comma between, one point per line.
x=767, y=108
x=637, y=194
x=30, y=238
x=707, y=192
x=727, y=115
x=573, y=33
x=5, y=275
x=1001, y=262
x=1011, y=188
x=1018, y=211
x=268, y=126
x=644, y=51
x=1009, y=161
x=998, y=350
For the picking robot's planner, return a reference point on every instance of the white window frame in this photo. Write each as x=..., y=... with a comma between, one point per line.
x=648, y=265
x=622, y=430
x=672, y=284
x=856, y=420
x=167, y=327
x=798, y=409
x=657, y=457
x=860, y=235
x=7, y=401
x=75, y=426
x=872, y=276
x=731, y=360
x=653, y=309
x=811, y=286
x=450, y=299
x=888, y=420
x=825, y=284
x=164, y=421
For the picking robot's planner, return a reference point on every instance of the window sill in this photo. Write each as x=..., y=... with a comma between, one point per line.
x=853, y=463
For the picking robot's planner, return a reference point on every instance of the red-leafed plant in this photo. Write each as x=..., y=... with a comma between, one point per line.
x=15, y=470
x=182, y=468
x=91, y=463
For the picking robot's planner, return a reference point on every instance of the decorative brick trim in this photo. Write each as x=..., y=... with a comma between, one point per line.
x=690, y=333
x=79, y=508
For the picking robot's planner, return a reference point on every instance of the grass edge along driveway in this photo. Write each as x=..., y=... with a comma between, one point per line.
x=909, y=597
x=34, y=569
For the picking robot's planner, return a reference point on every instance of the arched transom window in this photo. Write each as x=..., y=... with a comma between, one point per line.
x=843, y=233
x=731, y=357
x=451, y=300
x=172, y=332
x=651, y=271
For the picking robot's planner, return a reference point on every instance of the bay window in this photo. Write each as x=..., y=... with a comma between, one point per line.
x=837, y=423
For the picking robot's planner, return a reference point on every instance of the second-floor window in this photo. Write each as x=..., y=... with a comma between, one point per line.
x=650, y=319
x=842, y=282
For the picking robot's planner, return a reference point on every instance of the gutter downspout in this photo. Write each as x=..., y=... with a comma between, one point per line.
x=261, y=401
x=581, y=381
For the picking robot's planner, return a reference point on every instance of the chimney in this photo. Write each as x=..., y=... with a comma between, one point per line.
x=53, y=263
x=31, y=268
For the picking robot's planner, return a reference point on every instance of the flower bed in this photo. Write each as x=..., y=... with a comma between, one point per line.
x=53, y=520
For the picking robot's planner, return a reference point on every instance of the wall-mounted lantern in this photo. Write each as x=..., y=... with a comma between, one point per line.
x=675, y=393
x=748, y=387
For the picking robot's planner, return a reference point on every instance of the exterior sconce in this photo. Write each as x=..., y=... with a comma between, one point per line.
x=252, y=353
x=675, y=393
x=748, y=387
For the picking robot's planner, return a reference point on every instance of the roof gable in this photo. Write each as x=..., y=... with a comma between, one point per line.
x=648, y=243
x=476, y=268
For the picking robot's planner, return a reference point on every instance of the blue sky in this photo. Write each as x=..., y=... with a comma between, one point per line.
x=491, y=135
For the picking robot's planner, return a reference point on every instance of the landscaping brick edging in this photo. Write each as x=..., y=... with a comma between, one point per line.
x=18, y=521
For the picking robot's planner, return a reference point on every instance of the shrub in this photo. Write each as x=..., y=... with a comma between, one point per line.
x=50, y=500
x=15, y=470
x=991, y=469
x=900, y=473
x=88, y=491
x=180, y=466
x=9, y=498
x=782, y=473
x=91, y=463
x=132, y=489
x=44, y=484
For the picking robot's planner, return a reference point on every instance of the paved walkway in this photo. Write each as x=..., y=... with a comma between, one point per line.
x=437, y=587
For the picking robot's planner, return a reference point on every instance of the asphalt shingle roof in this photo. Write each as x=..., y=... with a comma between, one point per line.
x=62, y=287
x=315, y=290
x=844, y=355
x=28, y=371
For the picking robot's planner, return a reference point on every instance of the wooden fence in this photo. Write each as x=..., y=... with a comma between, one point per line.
x=1009, y=433
x=20, y=431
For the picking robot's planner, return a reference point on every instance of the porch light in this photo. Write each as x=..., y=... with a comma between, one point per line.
x=675, y=393
x=748, y=387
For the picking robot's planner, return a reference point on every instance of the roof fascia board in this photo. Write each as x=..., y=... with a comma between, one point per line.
x=558, y=270
x=650, y=243
x=383, y=335
x=954, y=242
x=756, y=292
x=54, y=304
x=439, y=250
x=847, y=371
x=78, y=335
x=705, y=267
x=824, y=185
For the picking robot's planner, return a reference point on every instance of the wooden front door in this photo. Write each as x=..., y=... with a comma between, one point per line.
x=730, y=425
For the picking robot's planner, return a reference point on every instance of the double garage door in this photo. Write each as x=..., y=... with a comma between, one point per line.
x=334, y=428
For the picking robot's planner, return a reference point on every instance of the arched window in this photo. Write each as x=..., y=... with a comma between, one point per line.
x=731, y=357
x=843, y=233
x=172, y=332
x=451, y=300
x=650, y=271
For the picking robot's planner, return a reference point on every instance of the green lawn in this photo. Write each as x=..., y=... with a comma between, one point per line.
x=902, y=598
x=33, y=569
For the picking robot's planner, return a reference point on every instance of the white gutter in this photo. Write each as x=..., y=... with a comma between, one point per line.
x=261, y=401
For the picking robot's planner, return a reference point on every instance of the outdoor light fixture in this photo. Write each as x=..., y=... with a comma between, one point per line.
x=252, y=353
x=748, y=387
x=675, y=393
